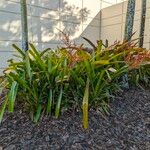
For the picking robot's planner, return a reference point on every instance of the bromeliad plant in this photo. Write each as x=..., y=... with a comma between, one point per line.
x=139, y=63
x=71, y=77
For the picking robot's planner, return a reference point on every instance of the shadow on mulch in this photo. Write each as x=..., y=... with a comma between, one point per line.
x=127, y=128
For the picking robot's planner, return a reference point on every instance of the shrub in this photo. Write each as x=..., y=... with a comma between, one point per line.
x=139, y=63
x=70, y=77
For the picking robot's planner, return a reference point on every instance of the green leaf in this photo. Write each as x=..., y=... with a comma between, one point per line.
x=119, y=54
x=108, y=75
x=99, y=47
x=2, y=109
x=101, y=62
x=3, y=84
x=38, y=113
x=28, y=67
x=85, y=105
x=90, y=42
x=100, y=79
x=38, y=59
x=34, y=50
x=49, y=104
x=14, y=64
x=19, y=50
x=12, y=96
x=119, y=72
x=57, y=110
x=44, y=51
x=20, y=81
x=49, y=65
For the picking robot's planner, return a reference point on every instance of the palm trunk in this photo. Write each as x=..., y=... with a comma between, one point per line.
x=129, y=20
x=24, y=24
x=142, y=25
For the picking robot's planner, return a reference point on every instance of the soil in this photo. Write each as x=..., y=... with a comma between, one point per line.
x=126, y=128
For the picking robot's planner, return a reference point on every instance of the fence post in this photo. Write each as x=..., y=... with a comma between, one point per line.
x=24, y=25
x=128, y=31
x=129, y=20
x=142, y=24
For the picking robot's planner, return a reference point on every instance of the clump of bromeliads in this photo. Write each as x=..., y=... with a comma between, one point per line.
x=72, y=77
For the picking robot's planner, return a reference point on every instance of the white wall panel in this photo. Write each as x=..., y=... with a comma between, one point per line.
x=4, y=57
x=113, y=22
x=10, y=26
x=93, y=6
x=78, y=17
x=90, y=30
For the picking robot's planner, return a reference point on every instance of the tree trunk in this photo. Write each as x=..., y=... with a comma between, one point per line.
x=129, y=20
x=142, y=24
x=24, y=24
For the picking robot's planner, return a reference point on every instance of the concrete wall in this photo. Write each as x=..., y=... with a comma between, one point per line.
x=113, y=22
x=78, y=17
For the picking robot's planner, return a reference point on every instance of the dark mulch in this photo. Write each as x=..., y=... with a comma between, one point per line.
x=127, y=128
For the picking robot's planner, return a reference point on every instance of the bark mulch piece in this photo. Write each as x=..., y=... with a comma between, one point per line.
x=126, y=128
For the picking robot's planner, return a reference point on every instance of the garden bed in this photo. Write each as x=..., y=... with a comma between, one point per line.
x=127, y=127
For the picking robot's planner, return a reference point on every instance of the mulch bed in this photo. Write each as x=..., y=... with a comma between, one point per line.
x=126, y=128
